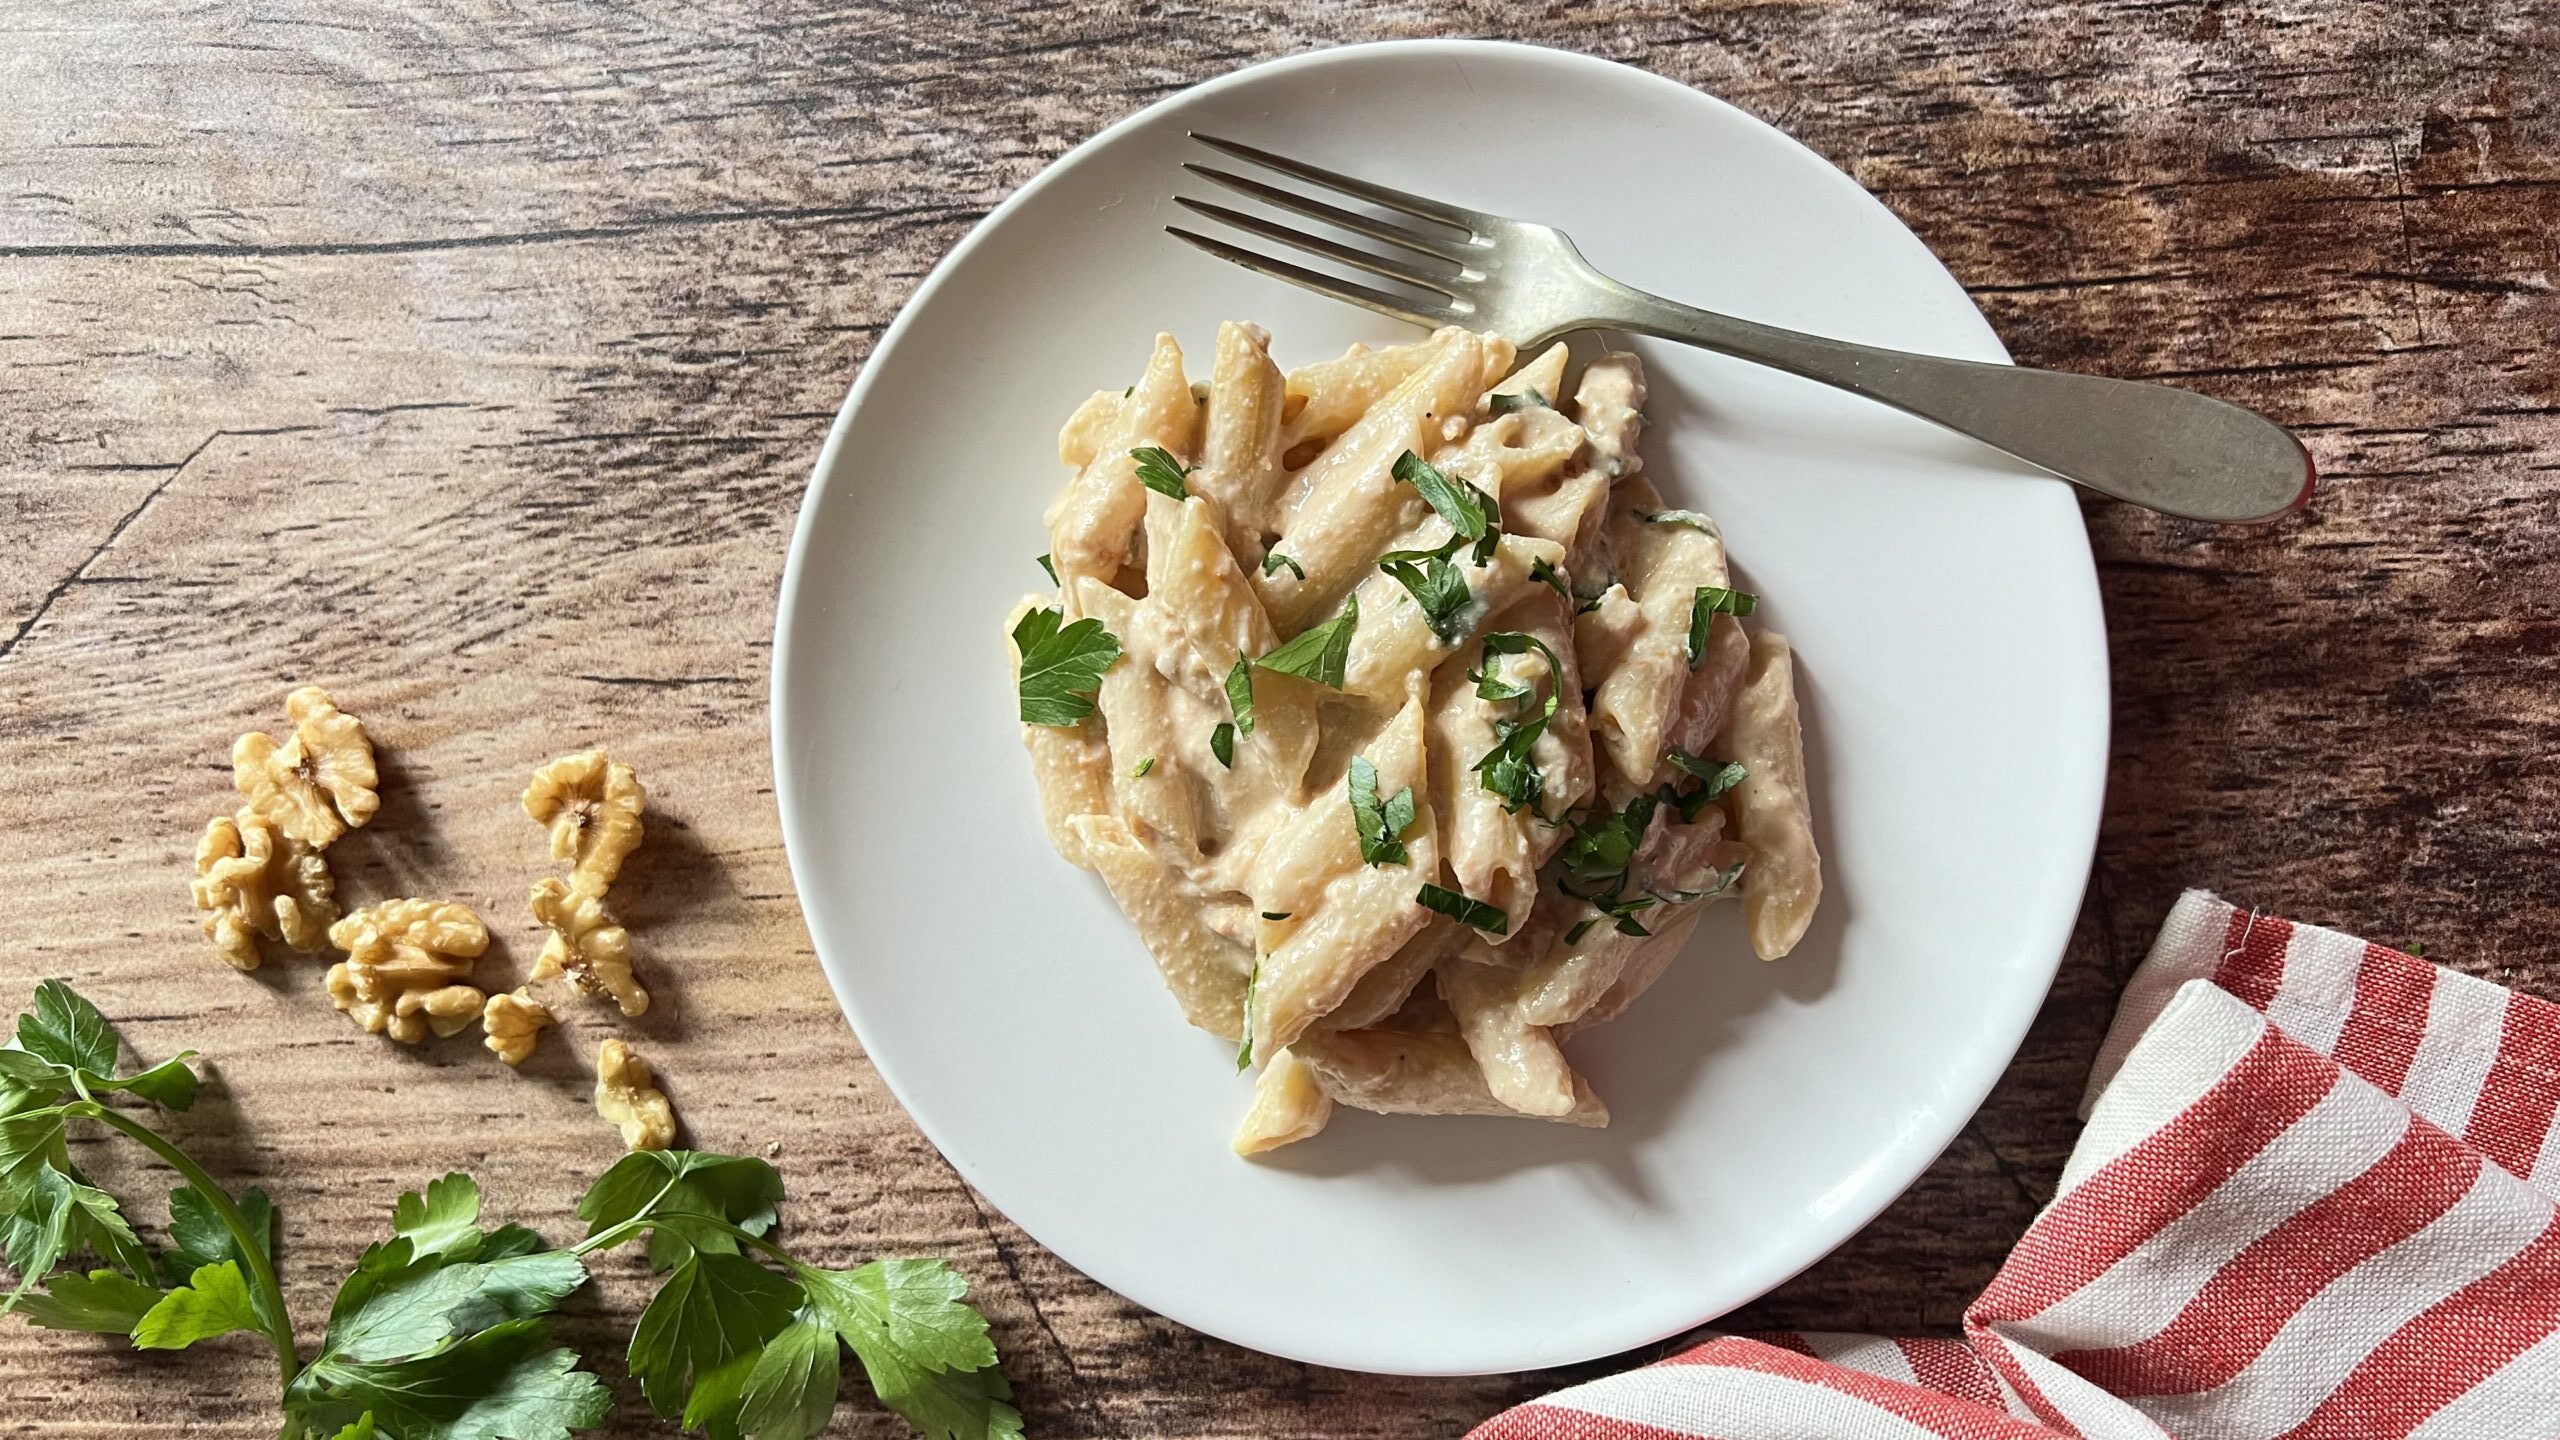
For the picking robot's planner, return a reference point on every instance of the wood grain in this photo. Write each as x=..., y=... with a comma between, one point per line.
x=468, y=358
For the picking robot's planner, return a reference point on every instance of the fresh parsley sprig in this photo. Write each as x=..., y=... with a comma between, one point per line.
x=438, y=1333
x=1432, y=579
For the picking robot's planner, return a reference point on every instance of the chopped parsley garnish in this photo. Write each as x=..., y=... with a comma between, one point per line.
x=1222, y=743
x=1597, y=852
x=1508, y=769
x=1545, y=574
x=1240, y=695
x=1244, y=1044
x=1720, y=775
x=1051, y=569
x=1272, y=560
x=1321, y=654
x=1275, y=914
x=1499, y=404
x=1463, y=908
x=1160, y=472
x=1381, y=826
x=1454, y=501
x=1690, y=518
x=1139, y=771
x=1711, y=601
x=1435, y=585
x=1580, y=929
x=1061, y=668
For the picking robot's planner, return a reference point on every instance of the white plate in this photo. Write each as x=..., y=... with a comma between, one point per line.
x=1952, y=661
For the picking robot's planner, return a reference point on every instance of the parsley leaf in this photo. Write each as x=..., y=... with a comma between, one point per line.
x=1719, y=775
x=1581, y=928
x=1160, y=472
x=1499, y=403
x=692, y=1200
x=1462, y=907
x=1545, y=574
x=105, y=1302
x=1509, y=769
x=214, y=1301
x=790, y=1393
x=67, y=1030
x=1061, y=669
x=1272, y=560
x=1321, y=654
x=1139, y=770
x=1222, y=743
x=200, y=1238
x=925, y=1352
x=1691, y=518
x=509, y=1382
x=1454, y=501
x=1240, y=695
x=1049, y=569
x=1275, y=914
x=442, y=1218
x=1596, y=854
x=1435, y=585
x=1381, y=827
x=1711, y=601
x=712, y=1308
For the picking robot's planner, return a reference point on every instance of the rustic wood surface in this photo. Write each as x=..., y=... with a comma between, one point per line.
x=468, y=357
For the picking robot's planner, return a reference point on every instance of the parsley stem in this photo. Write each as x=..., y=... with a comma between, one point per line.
x=253, y=1246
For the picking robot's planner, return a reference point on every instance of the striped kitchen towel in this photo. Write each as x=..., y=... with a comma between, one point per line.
x=2315, y=1197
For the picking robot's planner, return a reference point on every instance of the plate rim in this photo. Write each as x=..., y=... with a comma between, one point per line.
x=2016, y=1018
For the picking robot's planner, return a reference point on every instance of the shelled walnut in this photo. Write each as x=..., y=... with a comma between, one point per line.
x=592, y=805
x=587, y=946
x=253, y=879
x=512, y=1023
x=407, y=961
x=627, y=1094
x=316, y=784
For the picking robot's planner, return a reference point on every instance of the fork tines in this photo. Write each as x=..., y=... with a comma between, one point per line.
x=1430, y=257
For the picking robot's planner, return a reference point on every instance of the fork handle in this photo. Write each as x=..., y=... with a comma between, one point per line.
x=2155, y=445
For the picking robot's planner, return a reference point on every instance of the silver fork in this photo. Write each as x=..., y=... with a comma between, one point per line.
x=2153, y=445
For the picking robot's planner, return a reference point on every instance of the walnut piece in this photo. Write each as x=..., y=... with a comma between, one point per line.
x=592, y=805
x=253, y=879
x=405, y=967
x=627, y=1094
x=316, y=785
x=513, y=1021
x=587, y=946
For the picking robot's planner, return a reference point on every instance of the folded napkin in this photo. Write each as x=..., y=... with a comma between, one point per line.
x=2315, y=1197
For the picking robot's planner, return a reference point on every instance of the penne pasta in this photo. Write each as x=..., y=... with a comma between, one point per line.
x=1206, y=971
x=1773, y=815
x=1288, y=1106
x=1353, y=916
x=1349, y=506
x=1396, y=1073
x=1399, y=853
x=1521, y=1065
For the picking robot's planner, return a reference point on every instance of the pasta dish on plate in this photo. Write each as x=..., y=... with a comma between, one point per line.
x=1410, y=726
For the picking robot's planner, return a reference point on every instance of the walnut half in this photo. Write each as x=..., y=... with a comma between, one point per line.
x=627, y=1094
x=316, y=785
x=512, y=1023
x=253, y=879
x=587, y=945
x=405, y=967
x=592, y=805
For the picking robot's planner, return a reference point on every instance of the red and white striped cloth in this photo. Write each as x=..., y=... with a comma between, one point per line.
x=2315, y=1198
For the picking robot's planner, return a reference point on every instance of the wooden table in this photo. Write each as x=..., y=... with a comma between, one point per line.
x=469, y=359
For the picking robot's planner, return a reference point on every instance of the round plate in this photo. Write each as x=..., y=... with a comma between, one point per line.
x=1951, y=661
